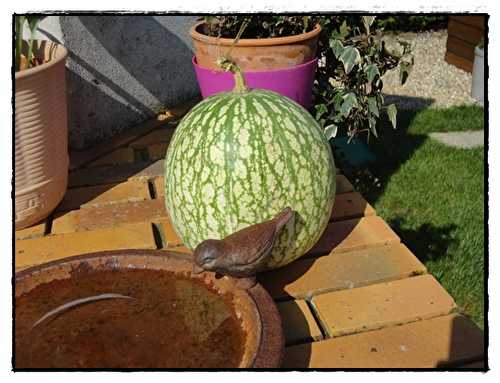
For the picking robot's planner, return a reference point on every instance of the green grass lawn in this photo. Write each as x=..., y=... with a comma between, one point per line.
x=433, y=198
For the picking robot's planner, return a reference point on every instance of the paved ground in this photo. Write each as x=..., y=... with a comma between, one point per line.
x=464, y=140
x=433, y=82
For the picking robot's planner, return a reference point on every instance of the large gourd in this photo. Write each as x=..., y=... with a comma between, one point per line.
x=240, y=157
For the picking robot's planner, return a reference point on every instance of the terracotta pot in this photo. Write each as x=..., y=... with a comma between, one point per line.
x=41, y=135
x=259, y=315
x=256, y=54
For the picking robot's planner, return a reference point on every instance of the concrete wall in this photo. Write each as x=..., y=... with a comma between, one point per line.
x=121, y=69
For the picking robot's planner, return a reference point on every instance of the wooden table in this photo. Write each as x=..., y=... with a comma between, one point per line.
x=358, y=299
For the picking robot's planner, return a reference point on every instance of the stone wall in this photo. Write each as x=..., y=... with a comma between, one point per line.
x=121, y=69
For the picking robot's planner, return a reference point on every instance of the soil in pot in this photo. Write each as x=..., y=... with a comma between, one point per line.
x=171, y=322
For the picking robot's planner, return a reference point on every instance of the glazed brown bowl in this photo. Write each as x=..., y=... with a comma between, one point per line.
x=257, y=311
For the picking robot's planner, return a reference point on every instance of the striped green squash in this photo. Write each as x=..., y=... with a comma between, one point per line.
x=239, y=158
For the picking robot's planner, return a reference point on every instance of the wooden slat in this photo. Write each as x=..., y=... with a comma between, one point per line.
x=440, y=342
x=472, y=20
x=460, y=48
x=304, y=278
x=459, y=62
x=468, y=33
x=473, y=366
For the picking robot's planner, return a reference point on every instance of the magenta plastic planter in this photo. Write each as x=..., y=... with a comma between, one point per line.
x=295, y=82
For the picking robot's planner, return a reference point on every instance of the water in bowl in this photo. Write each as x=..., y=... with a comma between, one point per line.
x=171, y=322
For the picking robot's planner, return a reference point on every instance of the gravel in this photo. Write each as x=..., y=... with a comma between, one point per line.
x=433, y=82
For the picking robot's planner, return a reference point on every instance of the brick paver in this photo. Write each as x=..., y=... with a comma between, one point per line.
x=375, y=306
x=37, y=230
x=157, y=151
x=358, y=298
x=354, y=234
x=343, y=185
x=94, y=196
x=162, y=135
x=116, y=157
x=111, y=215
x=439, y=342
x=350, y=205
x=81, y=158
x=32, y=252
x=338, y=271
x=298, y=322
x=171, y=237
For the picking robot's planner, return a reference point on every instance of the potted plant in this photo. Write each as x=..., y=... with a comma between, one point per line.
x=354, y=55
x=41, y=154
x=349, y=57
x=274, y=52
x=478, y=73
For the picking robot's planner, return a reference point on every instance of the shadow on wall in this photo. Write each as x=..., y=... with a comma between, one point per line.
x=122, y=69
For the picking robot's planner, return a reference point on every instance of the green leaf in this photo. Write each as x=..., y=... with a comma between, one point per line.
x=406, y=46
x=33, y=26
x=371, y=71
x=392, y=113
x=321, y=109
x=20, y=20
x=405, y=67
x=330, y=131
x=33, y=22
x=344, y=30
x=350, y=101
x=380, y=99
x=368, y=21
x=349, y=57
x=337, y=47
x=372, y=122
x=373, y=106
x=210, y=19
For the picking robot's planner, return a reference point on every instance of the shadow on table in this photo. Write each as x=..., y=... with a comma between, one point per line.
x=277, y=283
x=292, y=317
x=467, y=349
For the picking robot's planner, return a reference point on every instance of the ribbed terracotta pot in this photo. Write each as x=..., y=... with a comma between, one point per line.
x=256, y=54
x=41, y=135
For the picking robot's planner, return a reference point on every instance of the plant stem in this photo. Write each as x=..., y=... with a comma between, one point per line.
x=239, y=80
x=19, y=20
x=30, y=50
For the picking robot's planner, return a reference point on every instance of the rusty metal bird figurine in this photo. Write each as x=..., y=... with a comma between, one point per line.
x=243, y=253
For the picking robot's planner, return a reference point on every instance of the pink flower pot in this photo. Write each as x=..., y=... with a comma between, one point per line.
x=294, y=82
